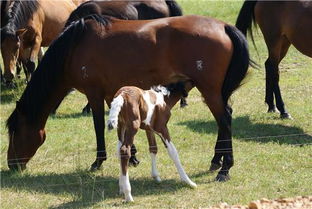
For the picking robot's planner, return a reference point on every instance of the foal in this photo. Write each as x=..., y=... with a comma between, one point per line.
x=133, y=108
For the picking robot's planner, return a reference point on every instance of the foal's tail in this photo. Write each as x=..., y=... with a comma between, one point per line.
x=116, y=106
x=239, y=64
x=246, y=18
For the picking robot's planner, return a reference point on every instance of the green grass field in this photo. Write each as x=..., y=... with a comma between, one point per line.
x=273, y=157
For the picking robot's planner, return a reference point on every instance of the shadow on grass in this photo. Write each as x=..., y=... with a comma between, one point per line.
x=244, y=129
x=86, y=189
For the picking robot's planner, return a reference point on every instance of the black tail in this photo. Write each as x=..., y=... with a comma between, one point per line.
x=174, y=8
x=239, y=64
x=246, y=17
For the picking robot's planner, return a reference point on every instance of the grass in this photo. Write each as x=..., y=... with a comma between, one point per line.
x=272, y=156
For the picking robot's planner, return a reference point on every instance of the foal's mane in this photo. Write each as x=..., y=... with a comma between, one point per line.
x=49, y=73
x=19, y=14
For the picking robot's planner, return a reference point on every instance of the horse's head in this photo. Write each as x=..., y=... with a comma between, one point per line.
x=10, y=45
x=24, y=140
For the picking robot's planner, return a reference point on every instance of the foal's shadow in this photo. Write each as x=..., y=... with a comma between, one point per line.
x=245, y=130
x=86, y=188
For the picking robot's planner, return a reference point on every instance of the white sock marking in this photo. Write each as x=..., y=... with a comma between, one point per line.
x=172, y=151
x=154, y=173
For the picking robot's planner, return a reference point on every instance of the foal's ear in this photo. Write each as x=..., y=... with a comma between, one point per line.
x=21, y=32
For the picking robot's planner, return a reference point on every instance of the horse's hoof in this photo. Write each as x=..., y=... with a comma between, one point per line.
x=94, y=168
x=214, y=167
x=286, y=116
x=133, y=161
x=182, y=105
x=222, y=177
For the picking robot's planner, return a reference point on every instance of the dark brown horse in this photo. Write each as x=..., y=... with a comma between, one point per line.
x=127, y=10
x=31, y=24
x=98, y=55
x=282, y=23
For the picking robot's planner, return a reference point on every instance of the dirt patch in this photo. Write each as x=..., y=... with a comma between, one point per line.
x=299, y=202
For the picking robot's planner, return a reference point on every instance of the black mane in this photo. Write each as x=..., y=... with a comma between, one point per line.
x=49, y=73
x=19, y=15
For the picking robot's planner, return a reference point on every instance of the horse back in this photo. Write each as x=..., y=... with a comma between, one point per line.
x=152, y=52
x=53, y=16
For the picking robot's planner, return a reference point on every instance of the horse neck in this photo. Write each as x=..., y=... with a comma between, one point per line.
x=172, y=99
x=20, y=13
x=39, y=104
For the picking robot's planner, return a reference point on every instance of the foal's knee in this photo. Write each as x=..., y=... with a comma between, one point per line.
x=125, y=151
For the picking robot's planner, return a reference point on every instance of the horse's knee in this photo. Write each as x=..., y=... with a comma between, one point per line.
x=125, y=151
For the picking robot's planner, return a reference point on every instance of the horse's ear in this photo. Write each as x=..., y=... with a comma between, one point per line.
x=21, y=32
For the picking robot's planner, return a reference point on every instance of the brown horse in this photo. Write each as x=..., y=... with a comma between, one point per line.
x=133, y=108
x=98, y=55
x=31, y=24
x=128, y=10
x=288, y=22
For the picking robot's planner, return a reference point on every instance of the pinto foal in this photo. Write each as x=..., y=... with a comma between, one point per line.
x=133, y=108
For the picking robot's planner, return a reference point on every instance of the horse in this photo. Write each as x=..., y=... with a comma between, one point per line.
x=133, y=108
x=280, y=30
x=128, y=10
x=32, y=24
x=97, y=55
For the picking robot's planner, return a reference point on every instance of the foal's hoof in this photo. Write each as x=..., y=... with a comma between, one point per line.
x=86, y=110
x=222, y=177
x=133, y=161
x=286, y=116
x=214, y=167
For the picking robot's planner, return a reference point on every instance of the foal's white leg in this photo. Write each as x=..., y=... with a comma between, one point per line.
x=125, y=186
x=172, y=151
x=155, y=173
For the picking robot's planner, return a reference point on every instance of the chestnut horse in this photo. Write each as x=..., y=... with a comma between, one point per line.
x=98, y=55
x=133, y=108
x=288, y=22
x=31, y=24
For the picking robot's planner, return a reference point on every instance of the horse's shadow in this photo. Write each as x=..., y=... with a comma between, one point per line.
x=250, y=132
x=86, y=189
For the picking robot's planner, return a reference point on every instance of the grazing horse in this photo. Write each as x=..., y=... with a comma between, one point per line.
x=32, y=24
x=288, y=22
x=131, y=109
x=98, y=55
x=128, y=10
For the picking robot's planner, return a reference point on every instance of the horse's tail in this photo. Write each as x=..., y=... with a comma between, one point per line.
x=239, y=63
x=83, y=10
x=174, y=8
x=116, y=106
x=246, y=18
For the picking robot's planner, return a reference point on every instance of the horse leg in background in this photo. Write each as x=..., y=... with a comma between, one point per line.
x=86, y=109
x=40, y=54
x=277, y=51
x=97, y=105
x=31, y=65
x=173, y=153
x=133, y=161
x=153, y=151
x=124, y=150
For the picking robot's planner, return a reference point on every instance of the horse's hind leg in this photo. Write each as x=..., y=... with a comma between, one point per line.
x=153, y=151
x=223, y=147
x=125, y=153
x=277, y=51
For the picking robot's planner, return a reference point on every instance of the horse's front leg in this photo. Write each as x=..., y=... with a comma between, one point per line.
x=31, y=63
x=173, y=153
x=97, y=105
